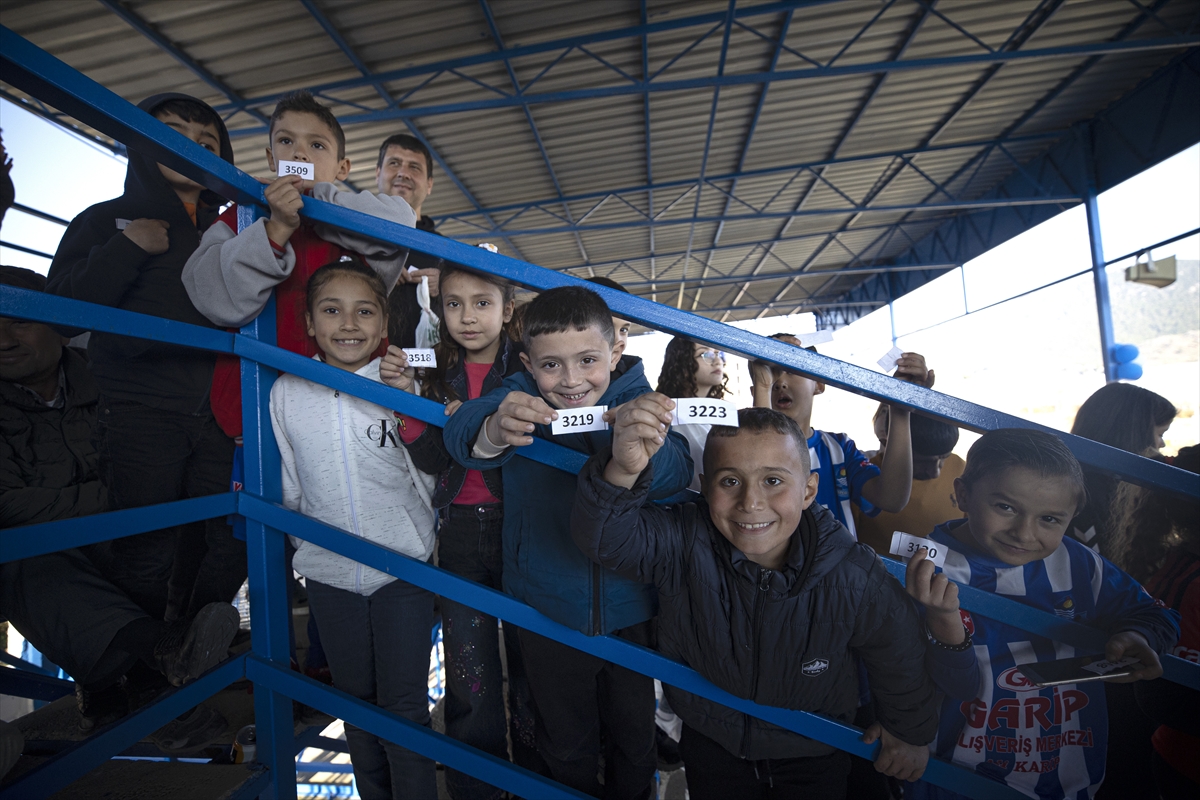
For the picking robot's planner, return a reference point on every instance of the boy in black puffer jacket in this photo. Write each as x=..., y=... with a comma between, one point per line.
x=766, y=595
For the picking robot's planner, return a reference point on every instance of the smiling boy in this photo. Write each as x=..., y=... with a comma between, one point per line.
x=232, y=275
x=581, y=700
x=1020, y=491
x=767, y=596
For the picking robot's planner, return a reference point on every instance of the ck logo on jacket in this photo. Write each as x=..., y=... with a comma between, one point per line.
x=384, y=434
x=815, y=667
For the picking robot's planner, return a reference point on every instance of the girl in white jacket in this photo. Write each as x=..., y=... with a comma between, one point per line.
x=344, y=464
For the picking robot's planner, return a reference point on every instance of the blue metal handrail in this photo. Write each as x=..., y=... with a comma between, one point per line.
x=31, y=69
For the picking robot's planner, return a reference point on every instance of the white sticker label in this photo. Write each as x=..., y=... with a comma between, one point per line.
x=906, y=546
x=888, y=362
x=1104, y=666
x=122, y=224
x=302, y=168
x=815, y=338
x=420, y=357
x=580, y=420
x=704, y=411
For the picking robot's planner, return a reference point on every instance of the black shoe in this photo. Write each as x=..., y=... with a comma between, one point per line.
x=192, y=732
x=668, y=751
x=204, y=645
x=98, y=707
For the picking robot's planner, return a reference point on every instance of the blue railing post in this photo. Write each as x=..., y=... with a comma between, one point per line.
x=270, y=613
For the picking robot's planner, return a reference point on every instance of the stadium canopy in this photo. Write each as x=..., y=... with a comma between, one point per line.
x=736, y=159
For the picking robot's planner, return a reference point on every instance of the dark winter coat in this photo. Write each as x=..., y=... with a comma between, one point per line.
x=97, y=263
x=428, y=451
x=786, y=638
x=48, y=462
x=542, y=565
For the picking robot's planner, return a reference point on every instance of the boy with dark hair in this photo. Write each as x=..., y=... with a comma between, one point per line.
x=1020, y=490
x=847, y=477
x=586, y=707
x=158, y=440
x=934, y=471
x=232, y=275
x=620, y=326
x=767, y=596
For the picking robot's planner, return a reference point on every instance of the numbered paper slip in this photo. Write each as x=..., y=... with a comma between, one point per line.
x=704, y=411
x=420, y=357
x=1104, y=666
x=301, y=168
x=906, y=545
x=888, y=362
x=580, y=420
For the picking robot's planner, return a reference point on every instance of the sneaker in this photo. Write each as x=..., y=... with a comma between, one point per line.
x=192, y=732
x=669, y=759
x=204, y=645
x=98, y=707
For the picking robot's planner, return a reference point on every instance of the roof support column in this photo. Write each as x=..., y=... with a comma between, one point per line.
x=1096, y=243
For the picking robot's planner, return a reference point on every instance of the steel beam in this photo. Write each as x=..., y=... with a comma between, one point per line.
x=1096, y=250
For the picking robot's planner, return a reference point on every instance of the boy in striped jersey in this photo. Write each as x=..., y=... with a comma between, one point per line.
x=1020, y=490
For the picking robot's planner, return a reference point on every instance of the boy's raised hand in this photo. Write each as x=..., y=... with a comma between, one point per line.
x=395, y=371
x=911, y=367
x=939, y=595
x=1130, y=644
x=284, y=198
x=514, y=419
x=897, y=758
x=639, y=429
x=149, y=234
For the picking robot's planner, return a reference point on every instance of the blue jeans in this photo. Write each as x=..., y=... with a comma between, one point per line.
x=378, y=651
x=469, y=545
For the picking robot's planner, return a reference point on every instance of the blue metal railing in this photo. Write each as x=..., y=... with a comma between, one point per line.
x=34, y=71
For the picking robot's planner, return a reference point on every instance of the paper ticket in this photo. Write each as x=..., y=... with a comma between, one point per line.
x=302, y=168
x=704, y=411
x=122, y=224
x=815, y=338
x=1104, y=666
x=420, y=357
x=579, y=420
x=906, y=546
x=888, y=362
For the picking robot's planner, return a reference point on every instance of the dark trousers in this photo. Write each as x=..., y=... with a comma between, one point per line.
x=588, y=708
x=713, y=773
x=469, y=545
x=378, y=650
x=150, y=456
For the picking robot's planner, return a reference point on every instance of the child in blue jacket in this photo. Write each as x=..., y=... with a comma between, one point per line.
x=571, y=366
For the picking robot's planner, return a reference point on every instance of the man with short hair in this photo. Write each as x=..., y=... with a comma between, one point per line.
x=405, y=170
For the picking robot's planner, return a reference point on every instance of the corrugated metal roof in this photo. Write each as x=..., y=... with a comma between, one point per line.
x=598, y=146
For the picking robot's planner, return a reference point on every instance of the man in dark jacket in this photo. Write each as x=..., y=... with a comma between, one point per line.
x=405, y=170
x=60, y=602
x=158, y=439
x=766, y=595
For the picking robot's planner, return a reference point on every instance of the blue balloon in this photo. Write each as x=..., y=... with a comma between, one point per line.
x=1129, y=372
x=1124, y=353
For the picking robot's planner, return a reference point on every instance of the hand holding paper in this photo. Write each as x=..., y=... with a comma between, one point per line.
x=639, y=430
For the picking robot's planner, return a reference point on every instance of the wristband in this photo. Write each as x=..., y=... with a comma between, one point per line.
x=962, y=646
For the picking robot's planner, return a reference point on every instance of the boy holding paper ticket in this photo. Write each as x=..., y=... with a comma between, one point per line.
x=764, y=593
x=585, y=707
x=232, y=275
x=1020, y=490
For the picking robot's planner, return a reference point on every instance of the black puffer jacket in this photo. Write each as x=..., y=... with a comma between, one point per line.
x=47, y=458
x=96, y=263
x=785, y=638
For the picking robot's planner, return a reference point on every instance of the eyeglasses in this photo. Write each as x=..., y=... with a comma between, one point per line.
x=710, y=356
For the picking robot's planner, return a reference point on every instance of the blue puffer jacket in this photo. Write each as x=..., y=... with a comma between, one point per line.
x=542, y=565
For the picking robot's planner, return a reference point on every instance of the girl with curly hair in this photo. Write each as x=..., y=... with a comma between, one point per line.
x=693, y=370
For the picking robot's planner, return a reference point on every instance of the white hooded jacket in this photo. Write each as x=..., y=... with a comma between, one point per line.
x=344, y=464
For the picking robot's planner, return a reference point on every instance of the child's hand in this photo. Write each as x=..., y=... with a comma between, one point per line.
x=284, y=198
x=433, y=274
x=149, y=234
x=516, y=417
x=639, y=429
x=395, y=371
x=939, y=595
x=452, y=406
x=897, y=759
x=761, y=375
x=911, y=367
x=1128, y=644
